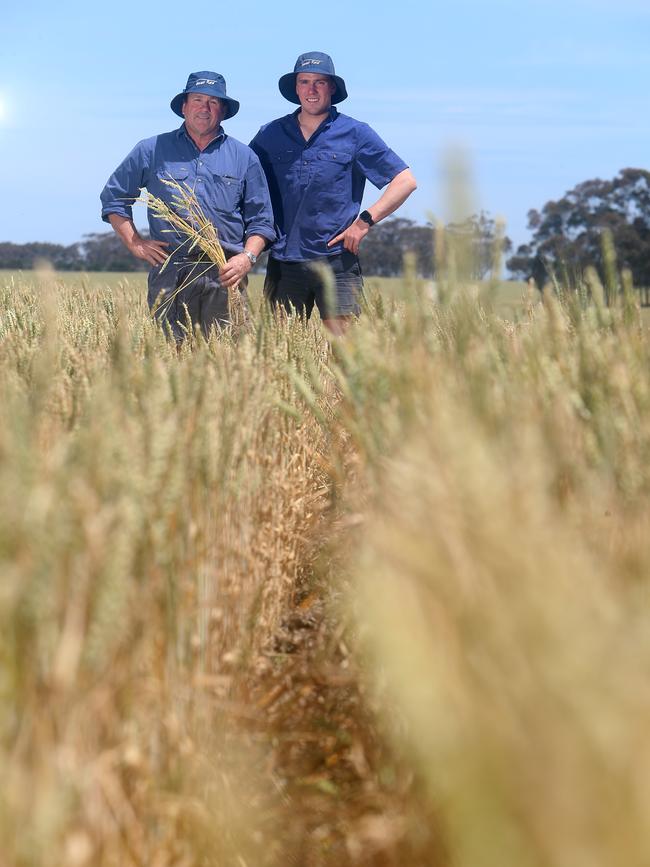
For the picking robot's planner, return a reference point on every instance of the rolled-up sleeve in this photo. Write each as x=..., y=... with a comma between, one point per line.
x=257, y=212
x=124, y=185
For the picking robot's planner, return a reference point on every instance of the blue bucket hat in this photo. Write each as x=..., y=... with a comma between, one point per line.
x=210, y=83
x=312, y=61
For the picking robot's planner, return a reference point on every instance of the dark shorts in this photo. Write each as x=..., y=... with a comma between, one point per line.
x=333, y=283
x=190, y=288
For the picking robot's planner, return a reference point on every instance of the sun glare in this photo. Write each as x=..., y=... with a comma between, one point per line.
x=5, y=109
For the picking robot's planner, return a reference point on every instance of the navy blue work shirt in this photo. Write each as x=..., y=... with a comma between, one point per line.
x=226, y=179
x=317, y=184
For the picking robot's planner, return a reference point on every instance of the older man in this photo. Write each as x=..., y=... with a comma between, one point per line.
x=317, y=161
x=229, y=184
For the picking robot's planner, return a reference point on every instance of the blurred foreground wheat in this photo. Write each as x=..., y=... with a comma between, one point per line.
x=468, y=498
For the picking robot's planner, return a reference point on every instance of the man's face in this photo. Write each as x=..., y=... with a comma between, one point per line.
x=314, y=92
x=203, y=114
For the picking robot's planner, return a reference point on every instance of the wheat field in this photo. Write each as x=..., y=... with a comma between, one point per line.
x=272, y=600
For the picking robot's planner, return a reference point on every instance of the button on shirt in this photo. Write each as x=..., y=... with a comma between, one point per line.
x=226, y=179
x=317, y=185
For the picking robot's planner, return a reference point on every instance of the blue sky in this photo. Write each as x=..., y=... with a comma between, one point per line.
x=539, y=96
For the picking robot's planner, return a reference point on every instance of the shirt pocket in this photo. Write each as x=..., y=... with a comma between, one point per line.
x=226, y=192
x=171, y=177
x=285, y=164
x=334, y=181
x=169, y=183
x=333, y=165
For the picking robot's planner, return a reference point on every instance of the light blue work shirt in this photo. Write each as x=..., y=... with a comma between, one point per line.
x=226, y=178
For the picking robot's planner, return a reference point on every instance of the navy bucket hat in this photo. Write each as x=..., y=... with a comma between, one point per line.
x=312, y=61
x=210, y=83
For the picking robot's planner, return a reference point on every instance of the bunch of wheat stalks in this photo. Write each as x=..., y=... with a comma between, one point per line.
x=186, y=217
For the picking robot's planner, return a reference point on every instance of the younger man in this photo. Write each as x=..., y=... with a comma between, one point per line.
x=317, y=161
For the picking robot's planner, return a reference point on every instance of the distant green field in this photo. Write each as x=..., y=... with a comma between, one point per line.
x=77, y=278
x=93, y=278
x=509, y=295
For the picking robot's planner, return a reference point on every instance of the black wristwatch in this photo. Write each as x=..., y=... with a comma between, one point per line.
x=365, y=216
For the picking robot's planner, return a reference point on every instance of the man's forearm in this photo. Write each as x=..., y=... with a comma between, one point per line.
x=255, y=244
x=395, y=194
x=153, y=252
x=124, y=228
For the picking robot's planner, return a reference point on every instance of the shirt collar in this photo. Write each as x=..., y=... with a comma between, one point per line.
x=181, y=132
x=332, y=114
x=294, y=125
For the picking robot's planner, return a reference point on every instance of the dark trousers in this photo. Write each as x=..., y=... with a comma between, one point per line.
x=191, y=288
x=333, y=283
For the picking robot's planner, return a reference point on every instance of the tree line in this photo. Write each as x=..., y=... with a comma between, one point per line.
x=382, y=252
x=566, y=237
x=97, y=252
